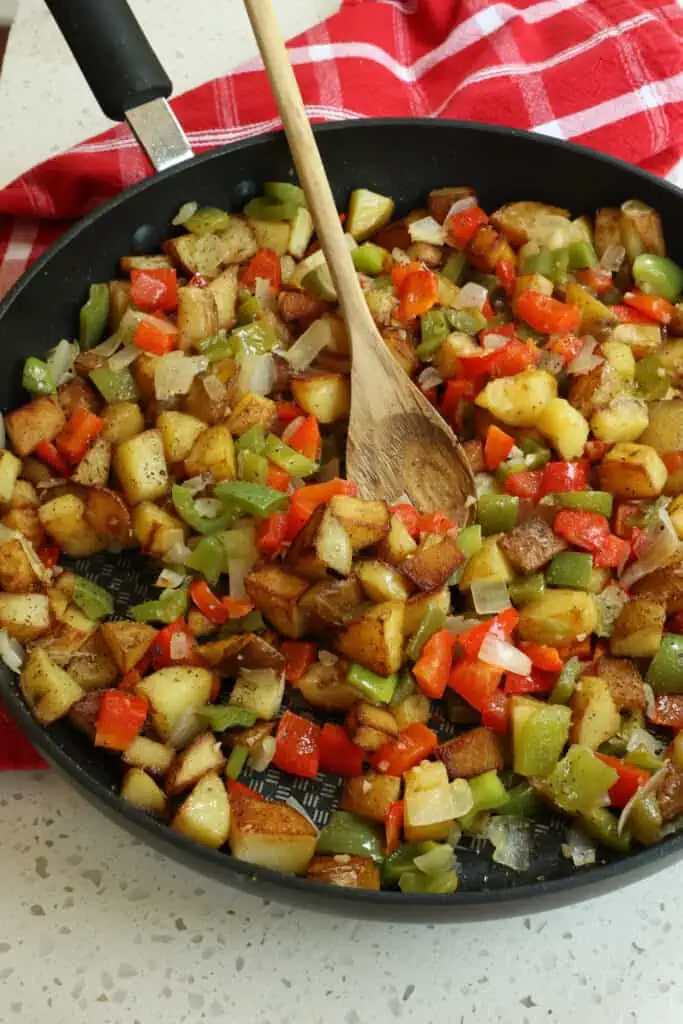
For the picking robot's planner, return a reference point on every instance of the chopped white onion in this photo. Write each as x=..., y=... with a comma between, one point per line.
x=641, y=739
x=107, y=347
x=642, y=791
x=186, y=211
x=471, y=296
x=660, y=543
x=287, y=267
x=262, y=754
x=257, y=374
x=208, y=507
x=196, y=484
x=490, y=597
x=187, y=726
x=41, y=571
x=501, y=654
x=11, y=652
x=399, y=255
x=61, y=361
x=429, y=378
x=511, y=842
x=179, y=646
x=175, y=372
x=123, y=358
x=579, y=848
x=585, y=360
x=610, y=602
x=466, y=203
x=495, y=341
x=551, y=362
x=327, y=658
x=428, y=230
x=215, y=388
x=308, y=347
x=177, y=551
x=613, y=258
x=296, y=806
x=169, y=579
x=237, y=571
x=3, y=432
x=263, y=291
x=650, y=704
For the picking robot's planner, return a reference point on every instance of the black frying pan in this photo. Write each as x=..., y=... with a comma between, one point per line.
x=403, y=158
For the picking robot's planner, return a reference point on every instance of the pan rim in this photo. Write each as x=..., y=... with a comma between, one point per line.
x=525, y=898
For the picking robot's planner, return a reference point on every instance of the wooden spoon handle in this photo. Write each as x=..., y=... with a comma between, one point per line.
x=307, y=160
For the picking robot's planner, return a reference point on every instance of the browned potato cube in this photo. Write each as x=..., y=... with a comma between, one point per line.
x=16, y=573
x=531, y=545
x=633, y=471
x=670, y=793
x=40, y=420
x=664, y=585
x=375, y=638
x=326, y=396
x=139, y=789
x=208, y=254
x=639, y=627
x=122, y=420
x=402, y=349
x=140, y=465
x=595, y=389
x=252, y=411
x=370, y=795
x=472, y=753
x=107, y=513
x=78, y=394
x=224, y=291
x=624, y=681
x=27, y=521
x=344, y=870
x=64, y=519
x=417, y=605
x=48, y=689
x=326, y=687
x=430, y=567
x=179, y=431
x=119, y=301
x=594, y=713
x=366, y=522
x=197, y=316
x=24, y=616
x=213, y=452
x=210, y=408
x=203, y=755
x=205, y=814
x=93, y=469
x=520, y=222
x=271, y=835
x=276, y=594
x=92, y=666
x=397, y=544
x=487, y=249
x=127, y=642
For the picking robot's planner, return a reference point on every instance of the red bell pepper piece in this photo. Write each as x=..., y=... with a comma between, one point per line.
x=306, y=438
x=507, y=275
x=306, y=500
x=613, y=552
x=456, y=392
x=595, y=278
x=651, y=306
x=156, y=336
x=47, y=452
x=80, y=430
x=120, y=718
x=299, y=656
x=238, y=789
x=208, y=603
x=586, y=530
x=409, y=516
x=237, y=607
x=154, y=289
x=542, y=656
x=435, y=522
x=526, y=484
x=673, y=460
x=417, y=293
x=513, y=358
x=629, y=782
x=462, y=227
x=266, y=265
x=175, y=645
x=49, y=555
x=626, y=518
x=559, y=477
x=412, y=745
x=287, y=412
x=393, y=825
x=497, y=447
x=432, y=668
x=668, y=710
x=277, y=478
x=627, y=315
x=273, y=533
x=338, y=755
x=502, y=626
x=297, y=749
x=496, y=714
x=536, y=682
x=400, y=271
x=566, y=345
x=475, y=681
x=547, y=315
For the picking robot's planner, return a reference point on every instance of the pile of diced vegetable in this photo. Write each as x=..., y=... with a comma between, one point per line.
x=459, y=680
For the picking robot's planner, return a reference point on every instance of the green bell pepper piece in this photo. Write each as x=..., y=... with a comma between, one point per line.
x=287, y=458
x=250, y=499
x=433, y=619
x=377, y=688
x=168, y=607
x=489, y=794
x=217, y=348
x=284, y=192
x=250, y=623
x=94, y=601
x=551, y=264
x=441, y=882
x=645, y=820
x=602, y=826
x=207, y=220
x=665, y=674
x=581, y=255
x=252, y=468
x=570, y=569
x=527, y=589
x=658, y=275
x=263, y=208
x=115, y=385
x=238, y=543
x=497, y=513
x=588, y=501
x=439, y=857
x=454, y=267
x=434, y=329
x=226, y=716
x=468, y=321
x=208, y=558
x=404, y=688
x=641, y=757
x=94, y=316
x=580, y=781
x=522, y=802
x=470, y=540
x=402, y=860
x=257, y=337
x=565, y=682
x=236, y=762
x=369, y=258
x=253, y=440
x=183, y=502
x=249, y=310
x=346, y=833
x=538, y=743
x=534, y=460
x=37, y=377
x=652, y=379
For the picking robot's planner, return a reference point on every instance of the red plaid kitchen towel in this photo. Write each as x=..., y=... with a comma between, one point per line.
x=606, y=73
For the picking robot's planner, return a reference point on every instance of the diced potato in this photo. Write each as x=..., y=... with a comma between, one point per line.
x=624, y=681
x=446, y=360
x=205, y=814
x=331, y=603
x=139, y=789
x=325, y=687
x=620, y=357
x=203, y=755
x=326, y=396
x=155, y=262
x=375, y=638
x=607, y=229
x=345, y=870
x=16, y=572
x=558, y=617
x=595, y=389
x=122, y=420
x=209, y=254
x=224, y=290
x=370, y=795
x=415, y=708
x=382, y=304
x=472, y=753
x=302, y=557
x=92, y=666
x=10, y=467
x=64, y=519
x=418, y=604
x=675, y=511
x=428, y=803
x=333, y=544
x=24, y=495
x=368, y=212
x=564, y=427
x=301, y=233
x=27, y=522
x=397, y=544
x=230, y=655
x=48, y=689
x=526, y=221
x=520, y=400
x=271, y=835
x=440, y=200
x=77, y=393
x=370, y=726
x=127, y=642
x=663, y=585
x=487, y=249
x=641, y=230
x=39, y=420
x=665, y=427
x=638, y=629
x=271, y=234
x=595, y=315
x=119, y=301
x=141, y=467
x=24, y=616
x=623, y=420
x=144, y=372
x=633, y=471
x=488, y=563
x=213, y=452
x=197, y=316
x=198, y=624
x=259, y=690
x=173, y=692
x=594, y=714
x=276, y=594
x=252, y=411
x=642, y=339
x=108, y=515
x=366, y=522
x=382, y=582
x=179, y=431
x=93, y=470
x=433, y=565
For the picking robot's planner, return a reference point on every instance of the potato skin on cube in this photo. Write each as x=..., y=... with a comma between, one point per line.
x=375, y=638
x=271, y=835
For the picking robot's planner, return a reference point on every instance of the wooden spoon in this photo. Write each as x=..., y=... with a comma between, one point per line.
x=397, y=443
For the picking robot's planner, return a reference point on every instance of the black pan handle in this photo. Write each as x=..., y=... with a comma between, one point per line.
x=113, y=53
